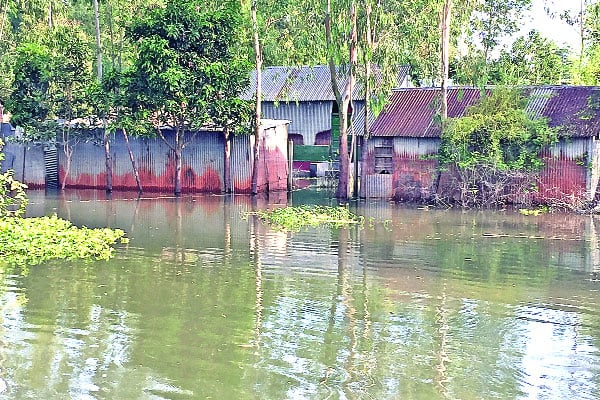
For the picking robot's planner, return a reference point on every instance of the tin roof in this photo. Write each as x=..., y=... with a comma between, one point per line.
x=413, y=112
x=575, y=109
x=306, y=83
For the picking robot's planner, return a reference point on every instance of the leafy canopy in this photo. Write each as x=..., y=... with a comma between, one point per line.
x=13, y=199
x=185, y=63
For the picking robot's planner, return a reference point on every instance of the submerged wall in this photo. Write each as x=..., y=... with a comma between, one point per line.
x=202, y=169
x=406, y=171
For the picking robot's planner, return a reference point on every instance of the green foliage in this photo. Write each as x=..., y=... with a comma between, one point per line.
x=13, y=199
x=185, y=67
x=50, y=83
x=496, y=19
x=29, y=102
x=532, y=60
x=496, y=132
x=31, y=241
x=296, y=218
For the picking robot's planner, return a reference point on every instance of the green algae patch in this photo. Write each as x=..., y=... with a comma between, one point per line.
x=31, y=241
x=296, y=218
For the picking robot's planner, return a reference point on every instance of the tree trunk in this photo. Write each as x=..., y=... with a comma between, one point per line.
x=133, y=165
x=342, y=190
x=444, y=56
x=106, y=138
x=344, y=98
x=107, y=158
x=257, y=128
x=50, y=16
x=581, y=32
x=178, y=161
x=68, y=151
x=227, y=186
x=98, y=40
x=445, y=28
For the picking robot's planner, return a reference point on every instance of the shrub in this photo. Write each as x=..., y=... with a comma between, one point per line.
x=494, y=150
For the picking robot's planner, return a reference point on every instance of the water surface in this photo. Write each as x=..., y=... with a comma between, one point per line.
x=207, y=302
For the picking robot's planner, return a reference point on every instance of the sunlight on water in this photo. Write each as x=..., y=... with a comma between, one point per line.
x=207, y=302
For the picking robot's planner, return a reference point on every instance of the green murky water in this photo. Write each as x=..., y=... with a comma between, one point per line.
x=203, y=303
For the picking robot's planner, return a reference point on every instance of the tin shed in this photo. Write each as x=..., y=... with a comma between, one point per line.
x=399, y=158
x=303, y=95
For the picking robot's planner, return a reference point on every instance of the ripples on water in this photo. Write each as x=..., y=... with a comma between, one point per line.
x=206, y=304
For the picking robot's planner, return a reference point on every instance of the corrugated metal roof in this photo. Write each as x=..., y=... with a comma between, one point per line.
x=412, y=112
x=576, y=109
x=288, y=84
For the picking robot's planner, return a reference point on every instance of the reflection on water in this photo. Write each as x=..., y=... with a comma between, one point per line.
x=207, y=302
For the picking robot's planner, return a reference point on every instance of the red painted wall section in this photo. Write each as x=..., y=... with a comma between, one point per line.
x=273, y=169
x=413, y=179
x=562, y=180
x=202, y=163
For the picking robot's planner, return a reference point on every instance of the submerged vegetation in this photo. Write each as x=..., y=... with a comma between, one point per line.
x=31, y=241
x=296, y=218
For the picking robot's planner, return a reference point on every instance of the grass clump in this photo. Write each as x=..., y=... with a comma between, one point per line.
x=296, y=218
x=31, y=241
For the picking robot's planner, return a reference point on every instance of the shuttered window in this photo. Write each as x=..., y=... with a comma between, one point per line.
x=384, y=152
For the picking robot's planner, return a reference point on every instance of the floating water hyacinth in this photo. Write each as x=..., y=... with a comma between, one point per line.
x=31, y=241
x=296, y=218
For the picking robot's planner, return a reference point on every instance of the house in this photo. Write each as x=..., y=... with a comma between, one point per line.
x=303, y=95
x=399, y=159
x=202, y=170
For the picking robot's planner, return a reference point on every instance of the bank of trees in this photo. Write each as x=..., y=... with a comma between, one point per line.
x=173, y=62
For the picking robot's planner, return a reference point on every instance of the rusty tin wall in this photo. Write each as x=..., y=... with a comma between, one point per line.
x=202, y=165
x=411, y=175
x=567, y=174
x=308, y=118
x=28, y=164
x=202, y=169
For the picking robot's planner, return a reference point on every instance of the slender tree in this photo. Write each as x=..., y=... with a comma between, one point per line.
x=445, y=28
x=258, y=62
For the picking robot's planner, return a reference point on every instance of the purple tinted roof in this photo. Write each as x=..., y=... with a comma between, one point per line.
x=413, y=112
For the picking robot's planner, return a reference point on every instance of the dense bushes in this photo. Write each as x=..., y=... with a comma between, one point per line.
x=494, y=150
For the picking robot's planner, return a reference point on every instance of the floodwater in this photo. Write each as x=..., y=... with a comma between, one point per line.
x=206, y=302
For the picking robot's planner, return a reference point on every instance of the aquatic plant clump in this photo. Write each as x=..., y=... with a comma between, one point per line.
x=296, y=218
x=31, y=241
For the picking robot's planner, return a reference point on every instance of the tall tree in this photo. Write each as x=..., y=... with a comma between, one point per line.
x=50, y=88
x=343, y=94
x=532, y=60
x=258, y=63
x=493, y=20
x=184, y=62
x=445, y=36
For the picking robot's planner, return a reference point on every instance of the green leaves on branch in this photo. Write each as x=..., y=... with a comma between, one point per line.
x=13, y=199
x=186, y=71
x=497, y=132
